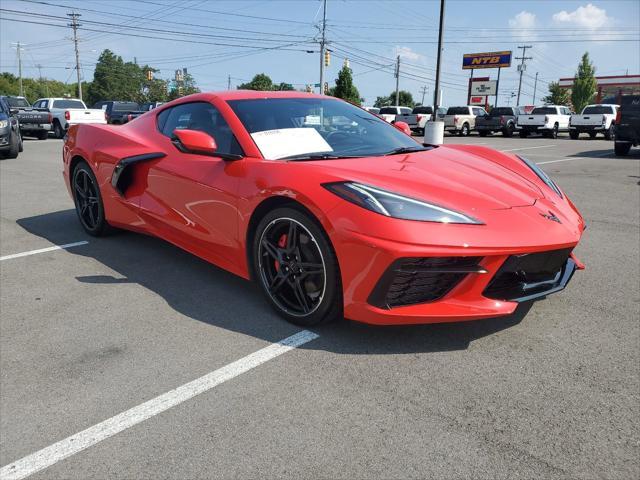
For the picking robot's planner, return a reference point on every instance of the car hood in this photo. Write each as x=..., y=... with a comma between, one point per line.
x=449, y=177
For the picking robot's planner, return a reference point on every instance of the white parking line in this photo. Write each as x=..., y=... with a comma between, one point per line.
x=527, y=148
x=557, y=161
x=43, y=250
x=80, y=441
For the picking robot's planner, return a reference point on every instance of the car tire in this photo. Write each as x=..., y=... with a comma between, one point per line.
x=43, y=135
x=58, y=131
x=88, y=201
x=574, y=134
x=465, y=131
x=592, y=135
x=523, y=134
x=20, y=143
x=553, y=133
x=508, y=132
x=483, y=133
x=296, y=268
x=622, y=148
x=14, y=149
x=610, y=133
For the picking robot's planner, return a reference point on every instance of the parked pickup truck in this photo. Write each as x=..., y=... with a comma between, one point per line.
x=547, y=120
x=462, y=120
x=627, y=124
x=594, y=119
x=67, y=112
x=388, y=114
x=117, y=112
x=33, y=122
x=499, y=119
x=417, y=119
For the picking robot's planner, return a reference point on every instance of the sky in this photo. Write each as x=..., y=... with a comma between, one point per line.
x=215, y=39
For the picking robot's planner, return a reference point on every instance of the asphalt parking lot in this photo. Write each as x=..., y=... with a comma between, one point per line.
x=97, y=329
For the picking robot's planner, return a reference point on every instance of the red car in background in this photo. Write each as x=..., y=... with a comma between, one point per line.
x=333, y=211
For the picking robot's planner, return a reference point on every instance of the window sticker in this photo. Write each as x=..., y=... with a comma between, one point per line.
x=284, y=142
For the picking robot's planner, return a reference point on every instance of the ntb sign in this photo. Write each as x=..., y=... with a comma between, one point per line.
x=486, y=60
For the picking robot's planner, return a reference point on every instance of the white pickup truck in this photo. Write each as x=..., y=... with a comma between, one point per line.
x=388, y=114
x=462, y=120
x=547, y=120
x=594, y=119
x=69, y=111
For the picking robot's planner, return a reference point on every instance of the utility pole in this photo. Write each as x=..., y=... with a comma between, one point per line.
x=229, y=82
x=436, y=93
x=423, y=90
x=323, y=42
x=398, y=80
x=535, y=87
x=18, y=46
x=522, y=67
x=74, y=25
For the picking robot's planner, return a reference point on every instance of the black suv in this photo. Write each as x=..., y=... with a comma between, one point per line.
x=627, y=133
x=10, y=138
x=118, y=112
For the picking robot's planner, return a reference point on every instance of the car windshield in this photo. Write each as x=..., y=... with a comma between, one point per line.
x=544, y=111
x=308, y=128
x=68, y=104
x=423, y=110
x=125, y=106
x=458, y=111
x=16, y=102
x=498, y=111
x=388, y=111
x=597, y=109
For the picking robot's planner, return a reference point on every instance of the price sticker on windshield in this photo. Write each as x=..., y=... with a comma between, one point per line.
x=285, y=142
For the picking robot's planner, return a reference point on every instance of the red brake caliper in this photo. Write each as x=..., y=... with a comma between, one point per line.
x=282, y=242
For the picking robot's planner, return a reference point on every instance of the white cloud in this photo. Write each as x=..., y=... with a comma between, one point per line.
x=408, y=53
x=588, y=16
x=523, y=21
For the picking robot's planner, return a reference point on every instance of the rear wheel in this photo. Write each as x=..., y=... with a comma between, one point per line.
x=464, y=131
x=523, y=134
x=88, y=201
x=574, y=134
x=622, y=148
x=610, y=133
x=297, y=268
x=483, y=133
x=43, y=135
x=508, y=131
x=592, y=135
x=58, y=131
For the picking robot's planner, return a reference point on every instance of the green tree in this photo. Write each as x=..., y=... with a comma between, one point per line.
x=345, y=88
x=557, y=95
x=284, y=86
x=584, y=84
x=35, y=88
x=406, y=99
x=259, y=82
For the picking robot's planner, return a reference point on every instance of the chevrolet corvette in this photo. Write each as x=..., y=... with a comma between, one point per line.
x=334, y=212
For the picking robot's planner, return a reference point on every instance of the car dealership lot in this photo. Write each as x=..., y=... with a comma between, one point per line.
x=100, y=328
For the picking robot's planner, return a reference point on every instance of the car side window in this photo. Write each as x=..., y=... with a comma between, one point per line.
x=200, y=116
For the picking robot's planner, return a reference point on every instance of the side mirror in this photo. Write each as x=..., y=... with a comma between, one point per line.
x=194, y=141
x=403, y=127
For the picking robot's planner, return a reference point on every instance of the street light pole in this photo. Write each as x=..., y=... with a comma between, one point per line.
x=436, y=93
x=323, y=44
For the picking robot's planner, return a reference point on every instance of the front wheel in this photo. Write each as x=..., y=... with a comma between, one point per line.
x=14, y=148
x=296, y=268
x=88, y=201
x=553, y=133
x=610, y=133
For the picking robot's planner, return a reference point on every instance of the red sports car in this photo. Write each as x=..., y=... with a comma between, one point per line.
x=333, y=211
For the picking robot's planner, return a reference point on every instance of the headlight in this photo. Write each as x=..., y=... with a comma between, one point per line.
x=396, y=206
x=4, y=123
x=541, y=175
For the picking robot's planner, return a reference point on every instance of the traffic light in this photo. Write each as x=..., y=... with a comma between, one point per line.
x=149, y=75
x=326, y=88
x=327, y=58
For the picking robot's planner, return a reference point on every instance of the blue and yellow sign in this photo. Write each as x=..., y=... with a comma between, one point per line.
x=486, y=60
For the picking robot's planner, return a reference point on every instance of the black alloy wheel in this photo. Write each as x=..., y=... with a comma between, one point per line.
x=89, y=206
x=296, y=268
x=610, y=134
x=509, y=130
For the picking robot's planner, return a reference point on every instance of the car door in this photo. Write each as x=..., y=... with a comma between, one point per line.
x=191, y=199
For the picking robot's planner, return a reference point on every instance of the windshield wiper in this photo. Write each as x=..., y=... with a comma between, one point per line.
x=317, y=156
x=399, y=150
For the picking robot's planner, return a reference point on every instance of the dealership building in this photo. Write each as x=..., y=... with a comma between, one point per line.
x=611, y=87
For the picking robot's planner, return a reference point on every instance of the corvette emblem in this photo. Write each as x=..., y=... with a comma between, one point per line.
x=551, y=216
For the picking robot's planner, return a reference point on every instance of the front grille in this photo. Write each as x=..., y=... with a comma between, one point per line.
x=527, y=275
x=409, y=281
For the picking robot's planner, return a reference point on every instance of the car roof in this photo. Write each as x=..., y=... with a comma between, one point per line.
x=258, y=94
